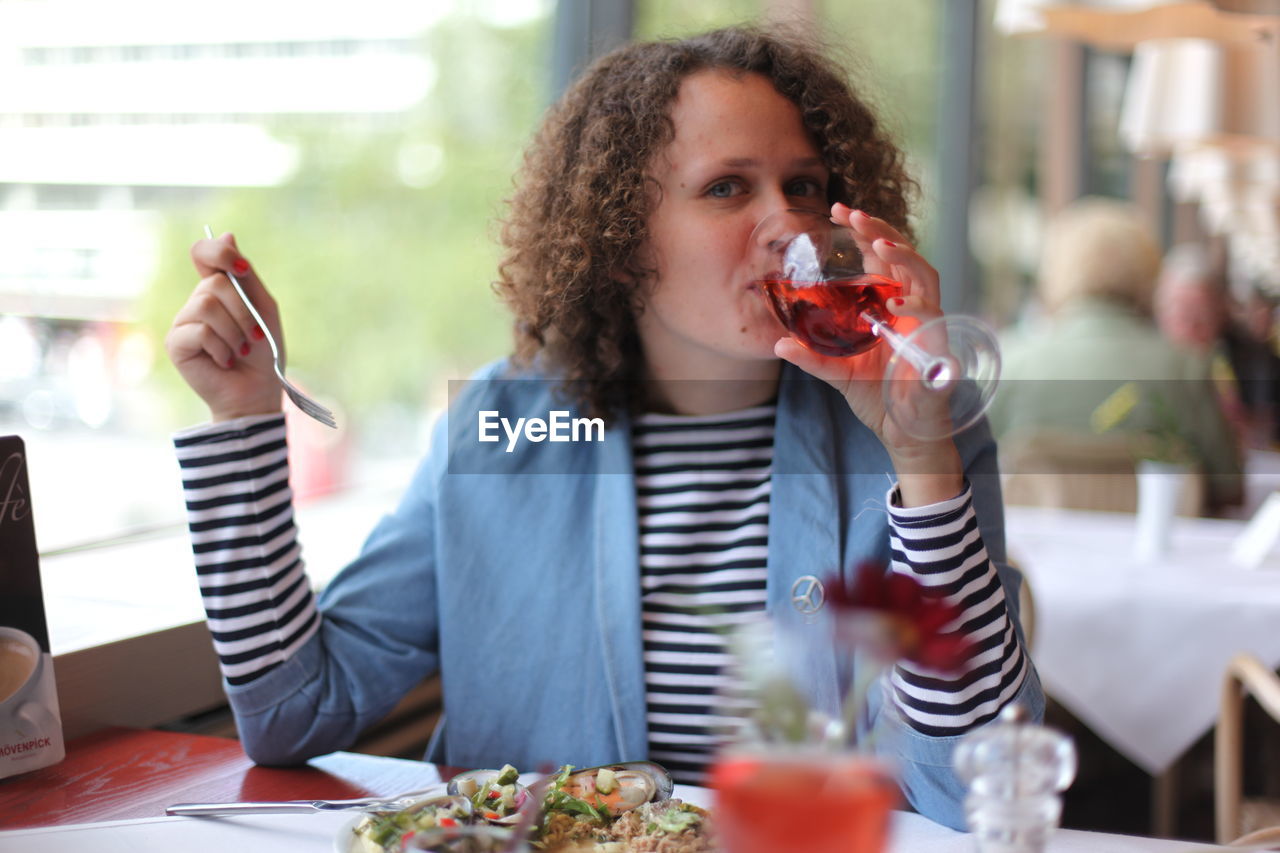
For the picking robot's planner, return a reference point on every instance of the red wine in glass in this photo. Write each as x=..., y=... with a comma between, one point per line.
x=830, y=316
x=813, y=273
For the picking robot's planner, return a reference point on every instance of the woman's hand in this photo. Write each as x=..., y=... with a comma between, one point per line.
x=216, y=344
x=928, y=471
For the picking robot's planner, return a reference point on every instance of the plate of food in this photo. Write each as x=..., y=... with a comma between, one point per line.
x=617, y=808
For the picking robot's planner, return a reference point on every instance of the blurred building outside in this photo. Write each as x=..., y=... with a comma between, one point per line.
x=110, y=116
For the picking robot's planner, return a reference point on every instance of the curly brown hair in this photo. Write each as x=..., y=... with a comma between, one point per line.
x=572, y=273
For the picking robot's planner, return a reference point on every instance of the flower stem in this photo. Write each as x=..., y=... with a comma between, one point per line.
x=855, y=701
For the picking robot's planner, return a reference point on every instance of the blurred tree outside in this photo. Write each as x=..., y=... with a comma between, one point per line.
x=892, y=51
x=381, y=248
x=677, y=18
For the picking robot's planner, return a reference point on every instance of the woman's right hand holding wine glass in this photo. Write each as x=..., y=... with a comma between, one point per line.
x=216, y=344
x=908, y=297
x=863, y=307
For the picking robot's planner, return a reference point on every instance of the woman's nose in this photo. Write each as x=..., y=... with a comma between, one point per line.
x=774, y=202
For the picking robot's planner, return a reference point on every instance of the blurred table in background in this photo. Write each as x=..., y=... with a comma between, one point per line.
x=1137, y=650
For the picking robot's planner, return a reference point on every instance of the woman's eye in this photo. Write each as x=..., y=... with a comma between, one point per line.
x=723, y=189
x=806, y=187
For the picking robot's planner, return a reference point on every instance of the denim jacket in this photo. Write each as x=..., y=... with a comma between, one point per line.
x=516, y=576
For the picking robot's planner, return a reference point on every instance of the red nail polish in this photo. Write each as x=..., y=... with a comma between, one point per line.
x=896, y=301
x=891, y=244
x=231, y=362
x=244, y=349
x=258, y=333
x=240, y=266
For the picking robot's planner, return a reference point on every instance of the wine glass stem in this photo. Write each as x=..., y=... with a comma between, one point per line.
x=935, y=371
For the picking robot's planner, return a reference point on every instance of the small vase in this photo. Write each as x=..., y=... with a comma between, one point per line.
x=846, y=800
x=1160, y=486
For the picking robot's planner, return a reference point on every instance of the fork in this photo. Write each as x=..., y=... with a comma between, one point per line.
x=301, y=400
x=301, y=806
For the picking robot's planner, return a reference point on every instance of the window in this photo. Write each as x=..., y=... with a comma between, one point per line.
x=115, y=183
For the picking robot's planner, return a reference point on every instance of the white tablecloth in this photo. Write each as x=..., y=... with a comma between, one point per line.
x=1137, y=651
x=315, y=834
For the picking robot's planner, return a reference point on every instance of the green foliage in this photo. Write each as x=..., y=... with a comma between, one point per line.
x=676, y=18
x=381, y=250
x=892, y=51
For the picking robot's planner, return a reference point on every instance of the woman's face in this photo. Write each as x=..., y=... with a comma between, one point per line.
x=740, y=152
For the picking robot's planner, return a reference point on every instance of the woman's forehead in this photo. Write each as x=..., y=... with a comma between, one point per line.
x=737, y=117
x=717, y=90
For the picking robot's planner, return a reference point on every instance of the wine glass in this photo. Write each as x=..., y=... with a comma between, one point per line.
x=943, y=373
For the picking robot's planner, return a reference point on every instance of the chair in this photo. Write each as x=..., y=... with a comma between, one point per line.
x=1269, y=839
x=1074, y=470
x=1235, y=815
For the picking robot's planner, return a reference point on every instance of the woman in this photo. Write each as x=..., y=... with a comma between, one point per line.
x=570, y=593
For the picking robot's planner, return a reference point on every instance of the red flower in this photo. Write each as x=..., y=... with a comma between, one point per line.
x=893, y=616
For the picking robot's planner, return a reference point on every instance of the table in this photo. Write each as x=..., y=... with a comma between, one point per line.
x=1135, y=650
x=110, y=792
x=122, y=773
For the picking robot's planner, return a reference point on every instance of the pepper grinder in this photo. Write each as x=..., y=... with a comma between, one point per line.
x=1015, y=771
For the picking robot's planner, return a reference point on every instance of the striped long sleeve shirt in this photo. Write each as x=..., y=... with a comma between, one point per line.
x=260, y=607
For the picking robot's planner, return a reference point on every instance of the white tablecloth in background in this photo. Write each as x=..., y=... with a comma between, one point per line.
x=1137, y=651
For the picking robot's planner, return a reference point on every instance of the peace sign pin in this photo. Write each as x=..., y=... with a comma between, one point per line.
x=807, y=595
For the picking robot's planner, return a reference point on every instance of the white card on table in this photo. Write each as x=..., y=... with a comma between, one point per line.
x=1259, y=536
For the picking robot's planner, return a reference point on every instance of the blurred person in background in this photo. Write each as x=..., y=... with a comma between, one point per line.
x=1191, y=311
x=1097, y=278
x=1190, y=299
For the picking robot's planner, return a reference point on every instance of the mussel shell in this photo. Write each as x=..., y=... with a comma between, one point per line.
x=483, y=777
x=652, y=780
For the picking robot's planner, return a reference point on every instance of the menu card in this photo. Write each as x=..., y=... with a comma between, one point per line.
x=30, y=723
x=1259, y=536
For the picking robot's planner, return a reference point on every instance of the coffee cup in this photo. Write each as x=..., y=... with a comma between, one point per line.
x=21, y=668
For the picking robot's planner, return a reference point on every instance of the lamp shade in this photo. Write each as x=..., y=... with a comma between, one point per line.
x=1184, y=91
x=1173, y=94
